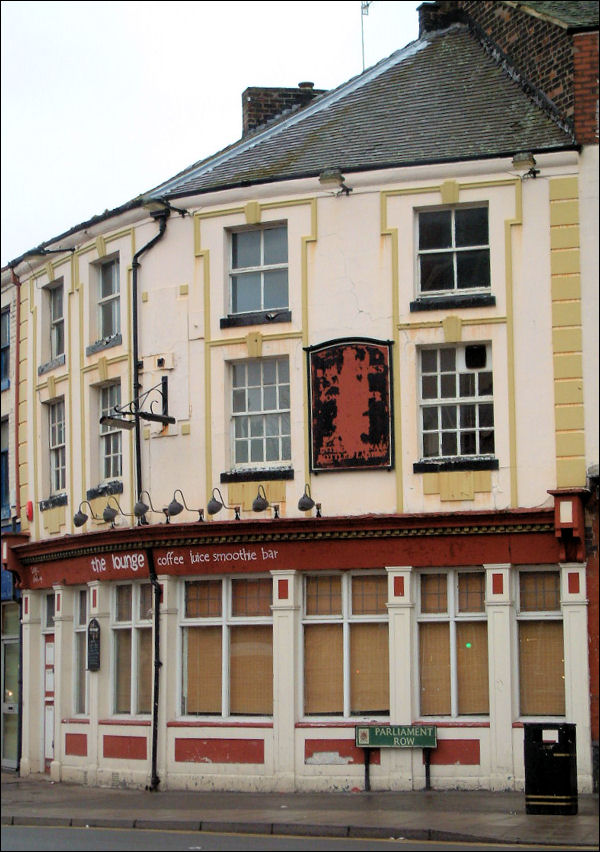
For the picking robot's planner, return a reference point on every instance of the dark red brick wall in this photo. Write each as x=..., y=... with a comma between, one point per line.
x=261, y=104
x=538, y=49
x=585, y=56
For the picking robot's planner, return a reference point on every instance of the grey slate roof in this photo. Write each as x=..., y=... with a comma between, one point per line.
x=441, y=98
x=574, y=15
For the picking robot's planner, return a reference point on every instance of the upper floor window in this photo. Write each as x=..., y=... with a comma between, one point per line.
x=453, y=649
x=346, y=645
x=4, y=469
x=5, y=348
x=541, y=644
x=57, y=446
x=110, y=437
x=259, y=270
x=109, y=307
x=454, y=252
x=57, y=321
x=261, y=411
x=457, y=408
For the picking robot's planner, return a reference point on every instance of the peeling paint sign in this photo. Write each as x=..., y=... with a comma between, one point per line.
x=350, y=405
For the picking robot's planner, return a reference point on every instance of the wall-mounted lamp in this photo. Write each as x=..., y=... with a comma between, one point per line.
x=110, y=512
x=524, y=162
x=306, y=502
x=175, y=507
x=260, y=502
x=79, y=518
x=334, y=179
x=141, y=509
x=214, y=505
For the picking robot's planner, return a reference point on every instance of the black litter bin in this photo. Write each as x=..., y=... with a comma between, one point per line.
x=550, y=769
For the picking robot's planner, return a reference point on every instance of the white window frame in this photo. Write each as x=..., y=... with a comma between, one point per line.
x=245, y=419
x=457, y=401
x=57, y=446
x=452, y=616
x=56, y=320
x=225, y=622
x=5, y=345
x=346, y=618
x=134, y=626
x=454, y=250
x=111, y=441
x=112, y=299
x=80, y=674
x=259, y=269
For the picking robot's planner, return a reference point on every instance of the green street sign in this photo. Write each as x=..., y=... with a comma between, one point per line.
x=395, y=736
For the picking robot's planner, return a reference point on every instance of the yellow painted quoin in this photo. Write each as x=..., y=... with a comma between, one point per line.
x=567, y=332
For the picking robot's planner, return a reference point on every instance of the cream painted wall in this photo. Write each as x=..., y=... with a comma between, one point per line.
x=351, y=272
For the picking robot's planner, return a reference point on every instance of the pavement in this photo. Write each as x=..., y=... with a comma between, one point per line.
x=474, y=816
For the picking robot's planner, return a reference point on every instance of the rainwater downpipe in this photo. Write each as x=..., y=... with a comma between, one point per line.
x=161, y=216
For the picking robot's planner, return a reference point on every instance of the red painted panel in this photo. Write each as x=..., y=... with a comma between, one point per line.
x=573, y=582
x=76, y=744
x=497, y=584
x=124, y=748
x=196, y=750
x=398, y=587
x=94, y=598
x=456, y=752
x=282, y=590
x=26, y=604
x=343, y=748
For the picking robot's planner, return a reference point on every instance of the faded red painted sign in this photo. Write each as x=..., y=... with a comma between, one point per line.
x=351, y=411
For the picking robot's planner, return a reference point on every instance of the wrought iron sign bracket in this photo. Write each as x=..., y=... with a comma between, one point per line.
x=125, y=416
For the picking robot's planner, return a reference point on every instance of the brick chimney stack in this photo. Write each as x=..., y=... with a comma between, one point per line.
x=259, y=105
x=438, y=15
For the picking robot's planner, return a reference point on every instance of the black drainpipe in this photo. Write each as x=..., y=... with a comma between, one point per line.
x=162, y=216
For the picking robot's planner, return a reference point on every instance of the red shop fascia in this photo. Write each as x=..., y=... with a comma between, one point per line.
x=517, y=537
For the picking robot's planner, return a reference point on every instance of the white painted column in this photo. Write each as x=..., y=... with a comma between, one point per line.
x=500, y=617
x=32, y=699
x=402, y=652
x=100, y=691
x=287, y=596
x=577, y=682
x=169, y=675
x=63, y=670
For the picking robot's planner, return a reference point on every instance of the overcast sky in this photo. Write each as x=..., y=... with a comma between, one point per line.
x=102, y=101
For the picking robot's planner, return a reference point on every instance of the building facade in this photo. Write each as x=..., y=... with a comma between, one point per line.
x=310, y=441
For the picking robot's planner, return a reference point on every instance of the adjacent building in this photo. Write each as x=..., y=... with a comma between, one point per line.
x=308, y=439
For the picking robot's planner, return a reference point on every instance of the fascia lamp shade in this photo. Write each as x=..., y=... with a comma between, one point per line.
x=214, y=505
x=306, y=502
x=109, y=514
x=80, y=518
x=174, y=507
x=260, y=502
x=141, y=509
